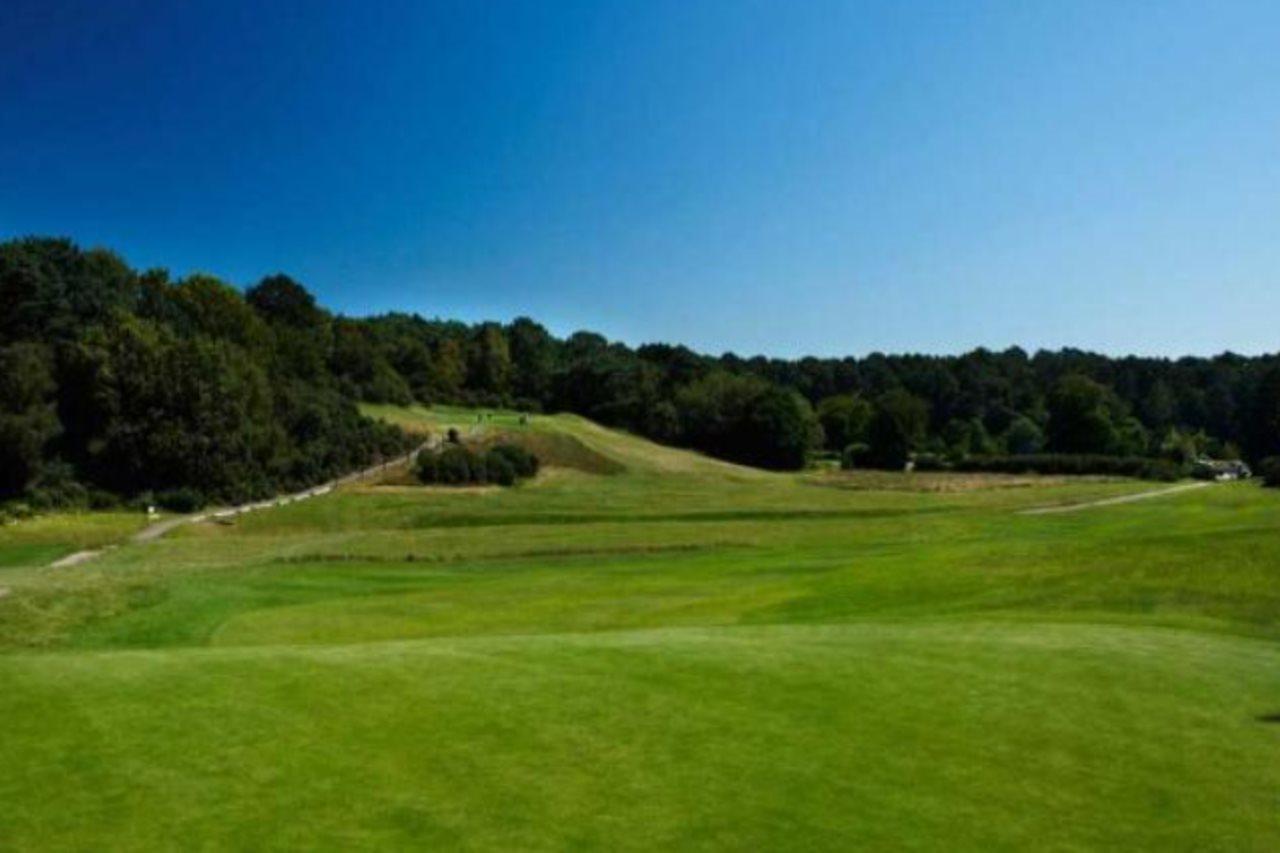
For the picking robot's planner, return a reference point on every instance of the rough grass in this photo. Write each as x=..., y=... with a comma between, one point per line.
x=45, y=538
x=556, y=449
x=681, y=655
x=938, y=481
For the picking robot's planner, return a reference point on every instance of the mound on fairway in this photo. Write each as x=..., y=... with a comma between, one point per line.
x=566, y=440
x=675, y=654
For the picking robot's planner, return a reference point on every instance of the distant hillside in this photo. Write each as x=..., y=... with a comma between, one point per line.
x=120, y=383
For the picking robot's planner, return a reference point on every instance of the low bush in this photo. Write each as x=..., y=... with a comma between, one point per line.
x=498, y=469
x=1074, y=464
x=523, y=462
x=1269, y=468
x=101, y=499
x=453, y=466
x=458, y=465
x=17, y=511
x=181, y=500
x=58, y=488
x=854, y=456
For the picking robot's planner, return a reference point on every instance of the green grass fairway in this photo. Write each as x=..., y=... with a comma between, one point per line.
x=647, y=649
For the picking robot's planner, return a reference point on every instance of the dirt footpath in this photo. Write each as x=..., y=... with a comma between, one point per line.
x=160, y=528
x=1123, y=499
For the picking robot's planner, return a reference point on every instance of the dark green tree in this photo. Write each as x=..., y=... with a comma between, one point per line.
x=489, y=360
x=1079, y=417
x=1263, y=436
x=897, y=428
x=28, y=422
x=844, y=419
x=532, y=353
x=1024, y=437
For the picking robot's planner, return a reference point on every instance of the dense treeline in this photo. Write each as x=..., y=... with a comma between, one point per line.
x=128, y=382
x=118, y=384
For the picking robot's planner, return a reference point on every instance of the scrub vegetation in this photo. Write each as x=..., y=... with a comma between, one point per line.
x=664, y=651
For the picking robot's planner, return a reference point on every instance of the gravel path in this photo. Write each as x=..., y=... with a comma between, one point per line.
x=1123, y=499
x=160, y=528
x=76, y=558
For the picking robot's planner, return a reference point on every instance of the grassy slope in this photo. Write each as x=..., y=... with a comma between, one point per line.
x=42, y=540
x=685, y=654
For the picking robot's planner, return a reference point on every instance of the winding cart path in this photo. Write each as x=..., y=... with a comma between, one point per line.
x=1123, y=499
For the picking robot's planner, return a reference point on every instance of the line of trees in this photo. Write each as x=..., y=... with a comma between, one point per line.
x=125, y=382
x=118, y=384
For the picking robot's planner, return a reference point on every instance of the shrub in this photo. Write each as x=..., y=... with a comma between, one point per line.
x=1161, y=469
x=181, y=500
x=457, y=465
x=62, y=495
x=1074, y=464
x=524, y=463
x=498, y=468
x=454, y=466
x=1270, y=470
x=100, y=499
x=57, y=488
x=427, y=467
x=896, y=429
x=854, y=455
x=479, y=469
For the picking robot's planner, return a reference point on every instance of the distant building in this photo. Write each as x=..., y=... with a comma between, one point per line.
x=1205, y=468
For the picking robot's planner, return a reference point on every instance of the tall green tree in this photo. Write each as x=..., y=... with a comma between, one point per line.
x=532, y=352
x=1079, y=417
x=489, y=361
x=897, y=428
x=28, y=422
x=844, y=418
x=1263, y=437
x=448, y=369
x=1024, y=436
x=747, y=420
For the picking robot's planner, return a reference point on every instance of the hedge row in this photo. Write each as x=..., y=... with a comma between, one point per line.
x=1270, y=470
x=1065, y=463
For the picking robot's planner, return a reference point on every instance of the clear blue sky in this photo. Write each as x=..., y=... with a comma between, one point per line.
x=786, y=178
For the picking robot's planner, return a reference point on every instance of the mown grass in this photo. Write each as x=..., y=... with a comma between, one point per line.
x=685, y=654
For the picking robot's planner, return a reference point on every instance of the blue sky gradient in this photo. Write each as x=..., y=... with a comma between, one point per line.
x=786, y=178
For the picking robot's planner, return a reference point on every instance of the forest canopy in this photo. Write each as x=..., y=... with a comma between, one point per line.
x=115, y=382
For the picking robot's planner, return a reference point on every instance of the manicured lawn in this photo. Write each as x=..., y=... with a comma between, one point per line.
x=675, y=654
